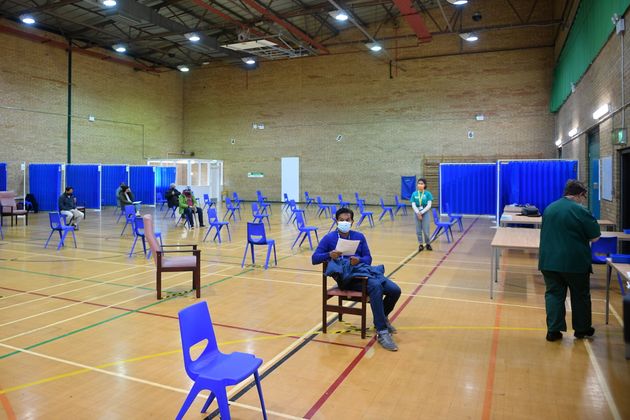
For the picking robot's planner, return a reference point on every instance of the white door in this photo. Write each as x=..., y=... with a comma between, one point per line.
x=291, y=178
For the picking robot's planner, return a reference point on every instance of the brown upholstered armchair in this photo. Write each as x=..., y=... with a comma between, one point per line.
x=10, y=208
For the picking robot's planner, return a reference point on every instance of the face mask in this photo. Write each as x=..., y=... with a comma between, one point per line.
x=344, y=227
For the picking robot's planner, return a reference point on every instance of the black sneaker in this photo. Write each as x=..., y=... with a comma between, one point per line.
x=420, y=248
x=554, y=336
x=429, y=247
x=583, y=334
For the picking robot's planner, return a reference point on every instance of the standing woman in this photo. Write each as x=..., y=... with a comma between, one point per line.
x=421, y=201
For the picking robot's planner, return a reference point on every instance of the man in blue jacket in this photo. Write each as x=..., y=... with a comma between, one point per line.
x=383, y=292
x=68, y=207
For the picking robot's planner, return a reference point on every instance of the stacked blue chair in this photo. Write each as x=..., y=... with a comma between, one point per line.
x=294, y=210
x=386, y=209
x=214, y=222
x=400, y=206
x=259, y=216
x=256, y=236
x=138, y=228
x=304, y=231
x=333, y=210
x=365, y=214
x=342, y=202
x=230, y=209
x=130, y=215
x=57, y=224
x=309, y=200
x=159, y=199
x=212, y=370
x=454, y=217
x=441, y=226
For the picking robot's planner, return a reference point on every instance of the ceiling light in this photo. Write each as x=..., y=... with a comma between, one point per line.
x=192, y=37
x=601, y=111
x=183, y=68
x=457, y=2
x=28, y=19
x=339, y=15
x=109, y=3
x=119, y=48
x=573, y=132
x=249, y=60
x=470, y=37
x=374, y=46
x=558, y=142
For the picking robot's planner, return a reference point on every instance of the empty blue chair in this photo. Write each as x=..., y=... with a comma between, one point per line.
x=260, y=196
x=358, y=199
x=285, y=202
x=58, y=224
x=130, y=215
x=159, y=199
x=342, y=202
x=207, y=202
x=333, y=210
x=256, y=236
x=294, y=210
x=230, y=209
x=441, y=226
x=309, y=200
x=237, y=201
x=304, y=231
x=214, y=222
x=386, y=209
x=365, y=214
x=605, y=246
x=454, y=217
x=212, y=370
x=323, y=208
x=259, y=217
x=138, y=229
x=400, y=206
x=264, y=206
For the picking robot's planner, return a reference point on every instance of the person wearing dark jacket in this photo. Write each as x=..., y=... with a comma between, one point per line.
x=172, y=196
x=126, y=198
x=68, y=207
x=383, y=292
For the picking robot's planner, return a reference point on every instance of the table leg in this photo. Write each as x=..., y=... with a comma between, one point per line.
x=608, y=276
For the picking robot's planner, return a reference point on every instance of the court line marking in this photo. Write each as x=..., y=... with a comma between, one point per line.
x=486, y=412
x=602, y=382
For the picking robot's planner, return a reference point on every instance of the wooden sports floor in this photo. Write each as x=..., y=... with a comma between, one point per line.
x=82, y=335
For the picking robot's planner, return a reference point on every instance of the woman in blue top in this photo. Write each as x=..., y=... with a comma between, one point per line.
x=421, y=201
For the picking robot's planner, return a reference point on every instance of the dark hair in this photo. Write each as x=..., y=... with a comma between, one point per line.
x=69, y=188
x=574, y=187
x=424, y=181
x=124, y=188
x=344, y=210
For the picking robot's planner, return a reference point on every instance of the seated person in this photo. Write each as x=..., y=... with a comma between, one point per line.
x=126, y=199
x=188, y=206
x=68, y=208
x=378, y=286
x=122, y=184
x=172, y=196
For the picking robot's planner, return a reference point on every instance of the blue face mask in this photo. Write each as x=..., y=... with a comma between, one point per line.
x=344, y=227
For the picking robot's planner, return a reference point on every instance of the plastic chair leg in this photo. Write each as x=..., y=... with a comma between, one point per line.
x=245, y=255
x=133, y=246
x=296, y=239
x=229, y=236
x=207, y=233
x=310, y=242
x=224, y=408
x=391, y=214
x=361, y=220
x=63, y=237
x=382, y=214
x=371, y=220
x=49, y=236
x=260, y=395
x=208, y=402
x=189, y=400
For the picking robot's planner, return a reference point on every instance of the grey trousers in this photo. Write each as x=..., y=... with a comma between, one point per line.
x=423, y=227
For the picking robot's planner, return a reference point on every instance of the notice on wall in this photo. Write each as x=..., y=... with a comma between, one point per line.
x=255, y=175
x=607, y=178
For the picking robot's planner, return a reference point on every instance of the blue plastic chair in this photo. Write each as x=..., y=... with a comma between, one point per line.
x=365, y=214
x=159, y=199
x=333, y=210
x=259, y=216
x=358, y=199
x=400, y=206
x=256, y=236
x=294, y=210
x=604, y=246
x=57, y=224
x=212, y=370
x=130, y=215
x=214, y=222
x=454, y=217
x=285, y=202
x=230, y=209
x=309, y=200
x=237, y=201
x=207, y=202
x=264, y=206
x=138, y=229
x=304, y=231
x=342, y=202
x=386, y=209
x=441, y=226
x=323, y=208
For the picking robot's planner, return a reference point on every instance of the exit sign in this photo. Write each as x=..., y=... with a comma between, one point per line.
x=619, y=136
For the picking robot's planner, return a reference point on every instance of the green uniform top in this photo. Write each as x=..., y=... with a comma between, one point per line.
x=567, y=229
x=421, y=198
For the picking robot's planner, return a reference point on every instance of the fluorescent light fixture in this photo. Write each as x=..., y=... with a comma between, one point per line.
x=28, y=19
x=339, y=15
x=573, y=132
x=374, y=46
x=601, y=111
x=457, y=2
x=470, y=37
x=119, y=48
x=183, y=68
x=109, y=3
x=249, y=60
x=192, y=37
x=480, y=117
x=558, y=142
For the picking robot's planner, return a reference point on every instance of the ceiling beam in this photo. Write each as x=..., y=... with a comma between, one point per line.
x=414, y=20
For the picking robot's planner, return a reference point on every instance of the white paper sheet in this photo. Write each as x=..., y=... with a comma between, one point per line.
x=347, y=247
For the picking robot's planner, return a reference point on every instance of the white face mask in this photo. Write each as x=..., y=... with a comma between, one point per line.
x=344, y=227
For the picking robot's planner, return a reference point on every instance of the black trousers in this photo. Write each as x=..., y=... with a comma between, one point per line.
x=579, y=285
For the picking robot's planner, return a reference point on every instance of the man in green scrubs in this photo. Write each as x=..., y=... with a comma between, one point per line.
x=568, y=228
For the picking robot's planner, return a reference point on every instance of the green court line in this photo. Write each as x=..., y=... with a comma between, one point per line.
x=4, y=356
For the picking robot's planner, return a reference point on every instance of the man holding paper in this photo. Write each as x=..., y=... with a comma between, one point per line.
x=348, y=255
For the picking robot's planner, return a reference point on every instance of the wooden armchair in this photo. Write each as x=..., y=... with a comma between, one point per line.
x=9, y=207
x=177, y=262
x=344, y=295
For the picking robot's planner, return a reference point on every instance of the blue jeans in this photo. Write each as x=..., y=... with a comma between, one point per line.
x=423, y=227
x=377, y=287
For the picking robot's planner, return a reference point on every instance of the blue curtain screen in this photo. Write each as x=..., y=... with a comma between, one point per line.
x=534, y=182
x=142, y=183
x=164, y=176
x=111, y=177
x=3, y=176
x=407, y=186
x=86, y=181
x=44, y=182
x=468, y=188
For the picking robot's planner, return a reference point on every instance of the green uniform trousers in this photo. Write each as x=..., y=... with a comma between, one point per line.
x=556, y=294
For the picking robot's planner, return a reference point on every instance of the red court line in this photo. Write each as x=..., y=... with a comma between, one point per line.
x=487, y=400
x=6, y=404
x=169, y=316
x=342, y=377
